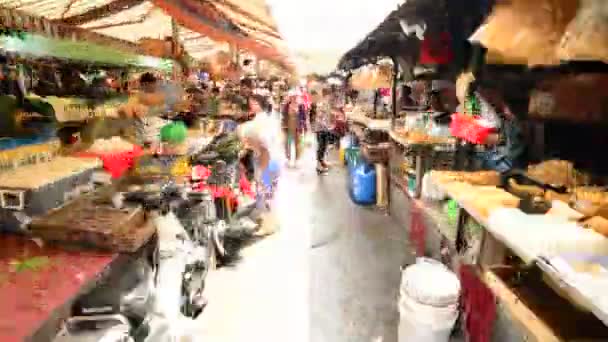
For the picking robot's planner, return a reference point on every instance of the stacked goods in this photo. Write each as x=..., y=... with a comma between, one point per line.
x=420, y=138
x=534, y=40
x=225, y=146
x=525, y=190
x=112, y=145
x=89, y=222
x=586, y=37
x=590, y=194
x=480, y=199
x=162, y=166
x=372, y=78
x=30, y=154
x=558, y=173
x=473, y=178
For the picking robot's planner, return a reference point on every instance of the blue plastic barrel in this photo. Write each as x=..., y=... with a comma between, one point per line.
x=363, y=181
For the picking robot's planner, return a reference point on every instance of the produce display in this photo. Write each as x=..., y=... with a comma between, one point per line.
x=481, y=199
x=37, y=175
x=114, y=144
x=473, y=178
x=224, y=147
x=28, y=154
x=420, y=138
x=559, y=173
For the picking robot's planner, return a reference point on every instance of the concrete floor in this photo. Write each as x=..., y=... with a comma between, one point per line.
x=330, y=274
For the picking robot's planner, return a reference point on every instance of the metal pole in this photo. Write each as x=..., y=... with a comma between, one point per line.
x=175, y=39
x=394, y=91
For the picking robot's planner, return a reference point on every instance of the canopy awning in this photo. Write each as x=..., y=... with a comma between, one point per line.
x=205, y=26
x=418, y=18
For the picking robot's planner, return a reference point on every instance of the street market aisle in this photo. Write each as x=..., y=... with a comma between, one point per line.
x=330, y=274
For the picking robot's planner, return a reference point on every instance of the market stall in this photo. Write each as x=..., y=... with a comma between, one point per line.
x=79, y=212
x=528, y=244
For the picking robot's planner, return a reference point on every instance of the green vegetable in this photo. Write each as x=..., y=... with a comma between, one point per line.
x=31, y=264
x=452, y=211
x=175, y=133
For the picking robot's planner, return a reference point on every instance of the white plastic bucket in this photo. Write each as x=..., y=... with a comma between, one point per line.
x=425, y=323
x=428, y=305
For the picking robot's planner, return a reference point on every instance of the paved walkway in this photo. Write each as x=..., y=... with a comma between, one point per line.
x=330, y=274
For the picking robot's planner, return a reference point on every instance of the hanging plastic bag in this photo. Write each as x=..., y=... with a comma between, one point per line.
x=469, y=129
x=430, y=190
x=586, y=37
x=437, y=49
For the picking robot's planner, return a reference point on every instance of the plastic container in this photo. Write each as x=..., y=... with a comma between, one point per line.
x=352, y=156
x=7, y=144
x=428, y=305
x=363, y=180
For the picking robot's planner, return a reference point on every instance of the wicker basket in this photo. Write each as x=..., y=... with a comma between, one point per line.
x=86, y=223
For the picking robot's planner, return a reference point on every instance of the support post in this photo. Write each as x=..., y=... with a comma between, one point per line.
x=175, y=39
x=394, y=91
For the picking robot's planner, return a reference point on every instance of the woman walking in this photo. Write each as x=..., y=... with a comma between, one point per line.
x=324, y=123
x=293, y=127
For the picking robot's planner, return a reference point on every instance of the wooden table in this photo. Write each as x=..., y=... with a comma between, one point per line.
x=530, y=308
x=37, y=283
x=422, y=148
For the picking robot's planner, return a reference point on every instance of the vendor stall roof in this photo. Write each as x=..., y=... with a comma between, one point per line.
x=132, y=20
x=401, y=32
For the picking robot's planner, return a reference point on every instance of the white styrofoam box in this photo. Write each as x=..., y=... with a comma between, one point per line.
x=530, y=236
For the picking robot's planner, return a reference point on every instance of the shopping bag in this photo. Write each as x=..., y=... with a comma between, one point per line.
x=468, y=128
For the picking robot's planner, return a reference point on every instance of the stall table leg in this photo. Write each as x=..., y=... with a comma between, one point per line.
x=492, y=253
x=381, y=186
x=419, y=175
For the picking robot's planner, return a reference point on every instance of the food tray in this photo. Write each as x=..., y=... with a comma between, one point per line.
x=162, y=166
x=89, y=222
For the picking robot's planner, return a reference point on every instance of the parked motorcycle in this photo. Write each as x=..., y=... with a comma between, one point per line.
x=167, y=287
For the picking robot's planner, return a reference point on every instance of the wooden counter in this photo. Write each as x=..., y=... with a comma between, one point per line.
x=38, y=282
x=532, y=305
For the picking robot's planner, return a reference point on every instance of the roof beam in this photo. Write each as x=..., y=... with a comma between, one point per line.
x=112, y=8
